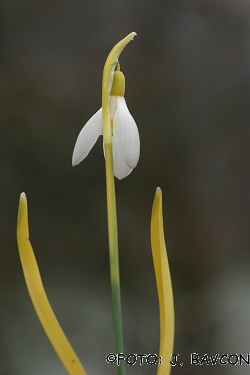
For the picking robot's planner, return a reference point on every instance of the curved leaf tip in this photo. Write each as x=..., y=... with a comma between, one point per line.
x=22, y=221
x=38, y=296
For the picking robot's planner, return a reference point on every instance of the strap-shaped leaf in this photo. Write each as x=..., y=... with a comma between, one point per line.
x=164, y=286
x=38, y=296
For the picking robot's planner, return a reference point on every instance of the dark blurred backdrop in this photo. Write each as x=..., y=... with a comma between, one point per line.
x=188, y=88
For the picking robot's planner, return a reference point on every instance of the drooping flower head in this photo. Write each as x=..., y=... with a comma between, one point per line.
x=125, y=135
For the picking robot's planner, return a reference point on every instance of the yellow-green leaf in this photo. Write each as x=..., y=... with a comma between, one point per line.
x=38, y=296
x=164, y=286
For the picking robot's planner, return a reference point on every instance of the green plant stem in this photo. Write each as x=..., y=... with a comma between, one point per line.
x=113, y=255
x=107, y=79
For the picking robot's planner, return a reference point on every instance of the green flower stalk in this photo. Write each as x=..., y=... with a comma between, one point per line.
x=121, y=150
x=111, y=200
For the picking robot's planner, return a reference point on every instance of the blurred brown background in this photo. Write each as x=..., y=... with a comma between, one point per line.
x=188, y=88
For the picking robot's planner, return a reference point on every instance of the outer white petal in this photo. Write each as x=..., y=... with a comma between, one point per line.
x=87, y=138
x=121, y=169
x=125, y=134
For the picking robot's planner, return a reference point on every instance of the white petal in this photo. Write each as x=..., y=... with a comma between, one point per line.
x=87, y=138
x=121, y=169
x=126, y=135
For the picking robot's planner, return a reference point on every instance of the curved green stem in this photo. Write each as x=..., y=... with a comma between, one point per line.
x=108, y=71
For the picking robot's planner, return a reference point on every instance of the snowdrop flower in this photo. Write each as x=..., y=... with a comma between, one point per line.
x=125, y=135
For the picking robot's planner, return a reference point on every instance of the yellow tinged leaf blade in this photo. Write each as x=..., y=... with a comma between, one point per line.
x=38, y=295
x=164, y=286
